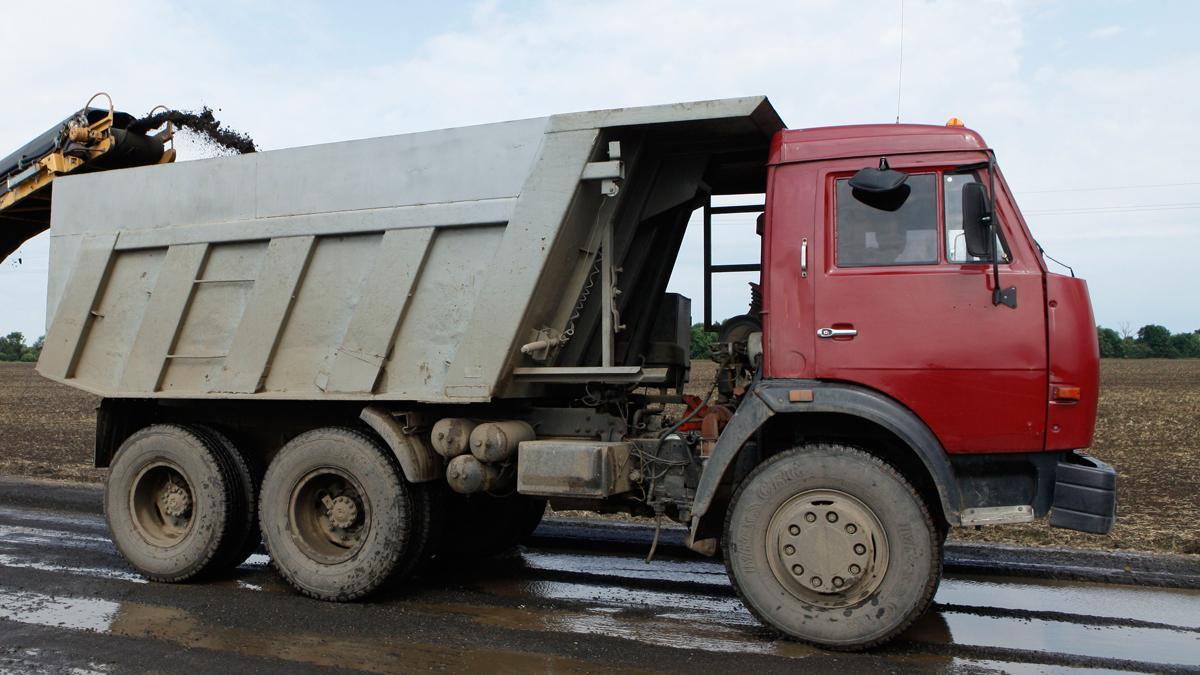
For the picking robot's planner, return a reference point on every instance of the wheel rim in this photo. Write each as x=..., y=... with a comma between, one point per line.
x=827, y=548
x=329, y=515
x=163, y=504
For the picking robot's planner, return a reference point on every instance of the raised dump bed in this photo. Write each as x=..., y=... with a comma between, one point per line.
x=412, y=267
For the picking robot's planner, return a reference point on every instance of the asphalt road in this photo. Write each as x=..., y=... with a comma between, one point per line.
x=577, y=598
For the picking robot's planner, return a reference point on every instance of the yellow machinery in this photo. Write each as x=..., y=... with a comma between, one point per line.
x=93, y=139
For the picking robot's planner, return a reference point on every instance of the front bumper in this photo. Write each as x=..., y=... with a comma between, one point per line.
x=1085, y=495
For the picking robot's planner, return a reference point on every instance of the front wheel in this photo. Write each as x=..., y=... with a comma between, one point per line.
x=832, y=546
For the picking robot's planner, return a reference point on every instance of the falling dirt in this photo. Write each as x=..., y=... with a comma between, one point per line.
x=204, y=125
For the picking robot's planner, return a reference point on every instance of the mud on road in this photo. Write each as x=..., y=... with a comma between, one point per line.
x=67, y=601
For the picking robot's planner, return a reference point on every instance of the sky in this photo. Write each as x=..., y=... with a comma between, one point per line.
x=1091, y=106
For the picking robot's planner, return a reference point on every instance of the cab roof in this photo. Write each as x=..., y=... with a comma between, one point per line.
x=870, y=140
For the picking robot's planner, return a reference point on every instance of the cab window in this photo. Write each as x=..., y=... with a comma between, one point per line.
x=956, y=242
x=894, y=228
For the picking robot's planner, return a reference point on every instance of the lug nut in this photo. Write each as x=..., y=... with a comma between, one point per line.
x=789, y=549
x=831, y=517
x=855, y=569
x=850, y=528
x=797, y=570
x=837, y=582
x=860, y=549
x=816, y=581
x=810, y=517
x=794, y=530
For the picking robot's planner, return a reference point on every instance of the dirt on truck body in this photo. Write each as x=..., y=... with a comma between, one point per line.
x=375, y=353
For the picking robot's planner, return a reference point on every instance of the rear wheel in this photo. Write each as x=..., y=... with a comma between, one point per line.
x=336, y=514
x=172, y=502
x=831, y=545
x=248, y=472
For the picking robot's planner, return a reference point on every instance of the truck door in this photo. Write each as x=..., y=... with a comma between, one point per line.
x=901, y=308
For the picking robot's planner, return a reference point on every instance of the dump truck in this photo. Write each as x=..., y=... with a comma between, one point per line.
x=379, y=353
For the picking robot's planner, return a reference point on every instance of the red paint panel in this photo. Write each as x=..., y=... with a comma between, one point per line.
x=864, y=140
x=970, y=411
x=788, y=331
x=930, y=337
x=1074, y=362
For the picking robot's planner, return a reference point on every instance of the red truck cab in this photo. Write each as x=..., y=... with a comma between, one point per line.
x=926, y=330
x=876, y=298
x=913, y=340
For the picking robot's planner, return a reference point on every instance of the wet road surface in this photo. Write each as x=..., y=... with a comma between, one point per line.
x=560, y=604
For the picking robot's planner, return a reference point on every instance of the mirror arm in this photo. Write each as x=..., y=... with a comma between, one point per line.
x=1007, y=296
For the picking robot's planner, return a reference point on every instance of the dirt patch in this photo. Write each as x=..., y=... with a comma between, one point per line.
x=1147, y=428
x=204, y=125
x=47, y=430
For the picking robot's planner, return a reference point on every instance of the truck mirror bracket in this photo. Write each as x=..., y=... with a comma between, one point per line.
x=1007, y=296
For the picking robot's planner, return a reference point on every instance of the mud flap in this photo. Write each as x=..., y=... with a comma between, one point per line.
x=1085, y=495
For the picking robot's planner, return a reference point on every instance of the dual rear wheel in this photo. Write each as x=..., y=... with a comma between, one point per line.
x=181, y=502
x=336, y=513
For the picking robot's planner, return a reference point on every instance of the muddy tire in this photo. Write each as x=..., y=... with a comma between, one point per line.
x=249, y=473
x=172, y=501
x=426, y=510
x=336, y=514
x=830, y=545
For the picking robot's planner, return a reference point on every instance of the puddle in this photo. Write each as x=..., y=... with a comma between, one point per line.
x=257, y=560
x=1177, y=607
x=43, y=610
x=730, y=609
x=37, y=535
x=8, y=560
x=177, y=626
x=1150, y=645
x=79, y=521
x=624, y=567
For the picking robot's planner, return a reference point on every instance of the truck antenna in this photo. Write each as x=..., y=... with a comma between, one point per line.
x=900, y=75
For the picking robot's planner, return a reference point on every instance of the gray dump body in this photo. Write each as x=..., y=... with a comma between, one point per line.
x=406, y=268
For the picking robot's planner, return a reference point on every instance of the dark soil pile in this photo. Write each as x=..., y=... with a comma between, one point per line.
x=203, y=124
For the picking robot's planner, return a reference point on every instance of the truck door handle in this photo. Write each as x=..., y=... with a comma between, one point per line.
x=804, y=258
x=836, y=332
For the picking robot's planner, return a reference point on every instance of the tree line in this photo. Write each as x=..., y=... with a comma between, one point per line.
x=1150, y=342
x=13, y=348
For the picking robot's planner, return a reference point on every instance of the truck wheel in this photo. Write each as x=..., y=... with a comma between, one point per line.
x=426, y=510
x=336, y=514
x=248, y=471
x=831, y=545
x=171, y=502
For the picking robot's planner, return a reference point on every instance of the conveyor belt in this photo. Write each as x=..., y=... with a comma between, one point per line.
x=93, y=139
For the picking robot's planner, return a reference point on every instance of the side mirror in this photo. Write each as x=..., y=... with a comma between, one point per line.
x=877, y=181
x=977, y=221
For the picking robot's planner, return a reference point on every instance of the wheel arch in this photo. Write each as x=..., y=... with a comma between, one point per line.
x=417, y=460
x=831, y=411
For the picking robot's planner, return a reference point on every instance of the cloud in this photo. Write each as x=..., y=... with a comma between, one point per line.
x=1105, y=32
x=314, y=80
